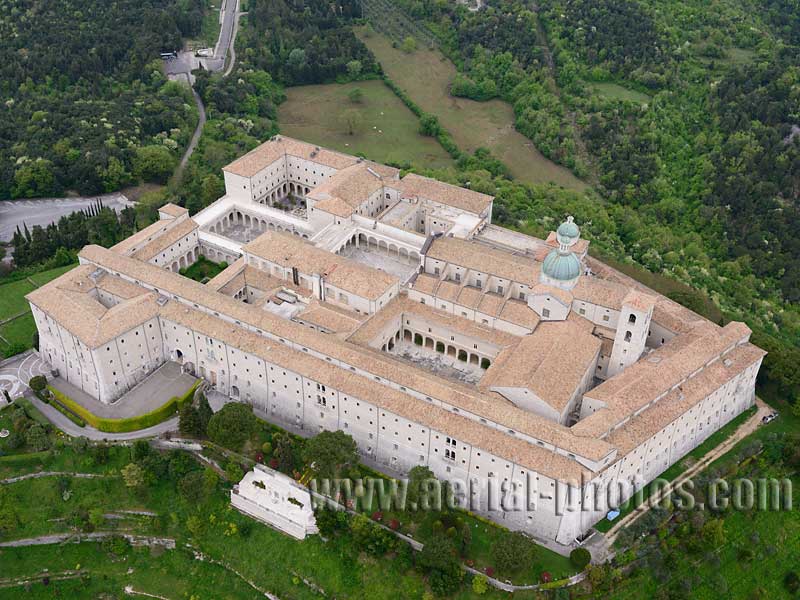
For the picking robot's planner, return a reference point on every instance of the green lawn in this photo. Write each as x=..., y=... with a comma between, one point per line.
x=425, y=75
x=12, y=298
x=614, y=91
x=387, y=131
x=203, y=269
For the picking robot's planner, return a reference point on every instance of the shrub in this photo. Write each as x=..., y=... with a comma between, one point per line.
x=38, y=383
x=580, y=557
x=512, y=551
x=480, y=584
x=68, y=413
x=232, y=426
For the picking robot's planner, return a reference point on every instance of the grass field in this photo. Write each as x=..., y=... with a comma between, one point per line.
x=203, y=270
x=425, y=75
x=13, y=303
x=388, y=130
x=614, y=91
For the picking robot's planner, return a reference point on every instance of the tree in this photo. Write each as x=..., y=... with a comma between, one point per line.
x=297, y=58
x=96, y=517
x=356, y=95
x=352, y=121
x=714, y=532
x=429, y=125
x=232, y=426
x=36, y=438
x=189, y=421
x=421, y=484
x=409, y=45
x=204, y=412
x=512, y=552
x=37, y=383
x=438, y=559
x=331, y=453
x=284, y=452
x=154, y=163
x=194, y=525
x=354, y=68
x=480, y=584
x=192, y=487
x=792, y=582
x=370, y=537
x=133, y=476
x=580, y=557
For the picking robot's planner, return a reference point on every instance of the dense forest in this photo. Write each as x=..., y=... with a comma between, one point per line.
x=683, y=117
x=242, y=108
x=312, y=45
x=85, y=104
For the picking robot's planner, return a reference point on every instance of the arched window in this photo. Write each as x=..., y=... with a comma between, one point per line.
x=631, y=318
x=627, y=336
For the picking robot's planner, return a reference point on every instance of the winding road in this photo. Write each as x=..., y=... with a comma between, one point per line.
x=183, y=66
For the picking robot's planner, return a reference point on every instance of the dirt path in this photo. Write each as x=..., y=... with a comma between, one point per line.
x=51, y=474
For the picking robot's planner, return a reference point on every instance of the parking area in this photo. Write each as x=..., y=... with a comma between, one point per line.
x=162, y=384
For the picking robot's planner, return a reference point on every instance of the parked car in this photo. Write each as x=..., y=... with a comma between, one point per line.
x=769, y=418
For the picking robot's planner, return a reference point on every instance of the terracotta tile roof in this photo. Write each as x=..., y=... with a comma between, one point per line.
x=662, y=369
x=328, y=318
x=485, y=259
x=417, y=186
x=71, y=301
x=469, y=296
x=290, y=251
x=352, y=186
x=519, y=313
x=600, y=292
x=267, y=153
x=551, y=362
x=563, y=296
x=173, y=210
x=652, y=420
x=169, y=237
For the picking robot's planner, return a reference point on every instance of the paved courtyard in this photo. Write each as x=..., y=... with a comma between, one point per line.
x=438, y=363
x=164, y=383
x=17, y=371
x=393, y=265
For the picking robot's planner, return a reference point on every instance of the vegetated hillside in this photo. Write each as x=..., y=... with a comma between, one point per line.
x=309, y=45
x=684, y=115
x=276, y=45
x=82, y=93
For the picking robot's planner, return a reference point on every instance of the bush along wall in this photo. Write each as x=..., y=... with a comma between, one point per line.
x=154, y=417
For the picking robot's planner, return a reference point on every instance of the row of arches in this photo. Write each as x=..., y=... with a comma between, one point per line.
x=256, y=224
x=282, y=191
x=187, y=260
x=375, y=244
x=439, y=346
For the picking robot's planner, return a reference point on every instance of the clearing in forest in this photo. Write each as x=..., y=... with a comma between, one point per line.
x=383, y=128
x=426, y=75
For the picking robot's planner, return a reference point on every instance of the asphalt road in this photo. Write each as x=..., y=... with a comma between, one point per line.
x=43, y=211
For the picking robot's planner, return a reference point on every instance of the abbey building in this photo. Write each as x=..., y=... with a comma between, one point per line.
x=390, y=307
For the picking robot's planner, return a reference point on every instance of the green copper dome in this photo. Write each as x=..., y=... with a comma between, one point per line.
x=561, y=267
x=568, y=233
